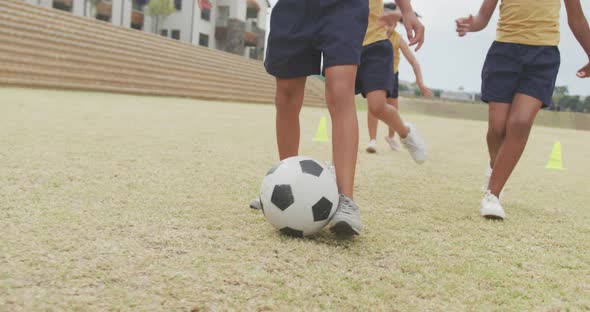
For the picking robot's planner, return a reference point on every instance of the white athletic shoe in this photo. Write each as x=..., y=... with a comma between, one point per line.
x=415, y=145
x=372, y=147
x=347, y=219
x=491, y=208
x=393, y=143
x=256, y=204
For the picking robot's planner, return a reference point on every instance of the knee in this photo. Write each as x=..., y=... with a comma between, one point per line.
x=376, y=109
x=288, y=100
x=497, y=129
x=338, y=91
x=518, y=127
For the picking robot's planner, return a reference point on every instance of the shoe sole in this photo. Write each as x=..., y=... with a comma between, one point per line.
x=344, y=229
x=493, y=217
x=371, y=150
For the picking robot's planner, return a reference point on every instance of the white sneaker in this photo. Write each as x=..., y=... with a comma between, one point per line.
x=415, y=145
x=491, y=208
x=486, y=180
x=372, y=147
x=347, y=219
x=256, y=204
x=393, y=143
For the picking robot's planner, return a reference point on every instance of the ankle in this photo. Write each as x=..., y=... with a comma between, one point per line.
x=405, y=133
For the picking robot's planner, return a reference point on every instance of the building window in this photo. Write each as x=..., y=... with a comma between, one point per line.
x=204, y=40
x=252, y=12
x=164, y=32
x=206, y=15
x=175, y=34
x=178, y=4
x=62, y=5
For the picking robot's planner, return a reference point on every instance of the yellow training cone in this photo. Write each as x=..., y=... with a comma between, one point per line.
x=322, y=134
x=555, y=161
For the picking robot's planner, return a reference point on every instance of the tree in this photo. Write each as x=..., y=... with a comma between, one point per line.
x=569, y=103
x=437, y=92
x=558, y=94
x=160, y=10
x=585, y=106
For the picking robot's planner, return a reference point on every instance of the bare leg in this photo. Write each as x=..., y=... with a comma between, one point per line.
x=340, y=82
x=498, y=117
x=385, y=112
x=288, y=102
x=372, y=122
x=395, y=103
x=522, y=114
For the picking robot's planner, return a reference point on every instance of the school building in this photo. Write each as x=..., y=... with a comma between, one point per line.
x=235, y=26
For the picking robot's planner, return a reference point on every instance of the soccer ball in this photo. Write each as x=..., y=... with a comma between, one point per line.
x=299, y=196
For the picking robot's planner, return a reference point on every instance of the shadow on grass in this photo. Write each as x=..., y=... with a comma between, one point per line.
x=324, y=237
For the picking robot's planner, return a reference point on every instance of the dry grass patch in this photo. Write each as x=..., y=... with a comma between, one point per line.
x=112, y=202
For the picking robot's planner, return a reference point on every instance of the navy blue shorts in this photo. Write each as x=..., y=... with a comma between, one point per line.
x=512, y=68
x=302, y=30
x=395, y=93
x=376, y=69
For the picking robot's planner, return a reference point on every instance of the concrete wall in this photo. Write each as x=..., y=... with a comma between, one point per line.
x=187, y=20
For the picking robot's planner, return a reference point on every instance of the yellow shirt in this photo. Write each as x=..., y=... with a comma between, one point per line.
x=374, y=31
x=396, y=42
x=531, y=22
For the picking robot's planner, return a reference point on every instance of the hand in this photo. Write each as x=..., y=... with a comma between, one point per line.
x=425, y=91
x=584, y=72
x=415, y=29
x=204, y=4
x=465, y=25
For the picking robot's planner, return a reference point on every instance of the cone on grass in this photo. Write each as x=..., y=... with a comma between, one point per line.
x=555, y=161
x=322, y=133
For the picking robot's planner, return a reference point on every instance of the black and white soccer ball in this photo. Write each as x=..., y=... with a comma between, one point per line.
x=299, y=196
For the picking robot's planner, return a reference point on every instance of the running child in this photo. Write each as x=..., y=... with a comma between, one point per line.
x=518, y=78
x=375, y=78
x=399, y=45
x=301, y=32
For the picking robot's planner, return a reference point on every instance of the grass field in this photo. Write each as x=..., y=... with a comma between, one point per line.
x=114, y=202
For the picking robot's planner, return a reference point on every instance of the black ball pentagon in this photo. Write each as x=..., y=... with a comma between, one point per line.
x=311, y=167
x=282, y=196
x=321, y=210
x=291, y=232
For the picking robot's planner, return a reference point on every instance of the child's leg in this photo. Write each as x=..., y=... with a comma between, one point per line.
x=395, y=103
x=498, y=117
x=288, y=102
x=522, y=114
x=340, y=82
x=385, y=112
x=372, y=122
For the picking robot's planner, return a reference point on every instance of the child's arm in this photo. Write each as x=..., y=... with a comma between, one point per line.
x=478, y=22
x=579, y=26
x=409, y=56
x=414, y=27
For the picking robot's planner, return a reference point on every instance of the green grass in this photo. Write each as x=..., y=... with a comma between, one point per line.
x=113, y=202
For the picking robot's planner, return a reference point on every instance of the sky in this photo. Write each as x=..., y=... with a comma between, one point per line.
x=449, y=62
